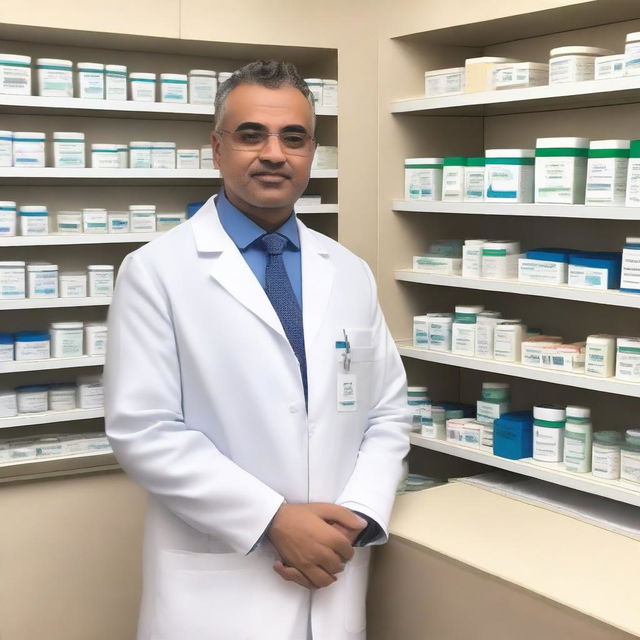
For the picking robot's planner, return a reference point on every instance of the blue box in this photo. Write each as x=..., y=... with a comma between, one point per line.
x=552, y=254
x=513, y=435
x=610, y=261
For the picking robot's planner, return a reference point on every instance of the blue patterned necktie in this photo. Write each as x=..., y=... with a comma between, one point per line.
x=280, y=293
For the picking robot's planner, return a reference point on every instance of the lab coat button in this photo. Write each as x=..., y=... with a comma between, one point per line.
x=293, y=408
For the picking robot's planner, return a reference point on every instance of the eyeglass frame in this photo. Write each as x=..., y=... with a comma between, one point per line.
x=279, y=134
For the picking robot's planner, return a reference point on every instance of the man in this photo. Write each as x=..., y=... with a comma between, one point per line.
x=253, y=389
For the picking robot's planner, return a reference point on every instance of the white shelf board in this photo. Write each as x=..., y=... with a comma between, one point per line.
x=50, y=417
x=574, y=95
x=550, y=472
x=54, y=303
x=579, y=211
x=316, y=208
x=76, y=239
x=52, y=363
x=53, y=466
x=116, y=108
x=606, y=385
x=562, y=291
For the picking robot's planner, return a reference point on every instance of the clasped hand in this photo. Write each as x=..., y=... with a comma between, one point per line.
x=314, y=542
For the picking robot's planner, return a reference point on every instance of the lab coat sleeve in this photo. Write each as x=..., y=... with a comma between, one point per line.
x=371, y=488
x=174, y=461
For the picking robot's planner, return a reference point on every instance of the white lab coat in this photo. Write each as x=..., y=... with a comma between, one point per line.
x=205, y=409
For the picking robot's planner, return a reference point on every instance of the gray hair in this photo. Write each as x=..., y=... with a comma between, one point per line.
x=265, y=73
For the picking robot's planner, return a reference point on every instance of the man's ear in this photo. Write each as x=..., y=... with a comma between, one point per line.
x=216, y=140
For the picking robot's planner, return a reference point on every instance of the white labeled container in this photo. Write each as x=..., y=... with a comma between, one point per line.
x=206, y=157
x=608, y=67
x=15, y=74
x=203, y=85
x=423, y=179
x=600, y=356
x=90, y=392
x=632, y=54
x=123, y=155
x=463, y=335
x=68, y=150
x=163, y=155
x=100, y=280
x=62, y=397
x=91, y=80
x=173, y=87
x=32, y=398
x=55, y=77
x=67, y=339
x=12, y=280
x=518, y=75
x=72, y=284
x=432, y=263
x=440, y=328
x=188, y=159
x=143, y=87
x=94, y=220
x=420, y=332
x=500, y=259
x=453, y=179
x=139, y=155
x=472, y=258
x=118, y=222
x=105, y=156
x=444, y=82
x=628, y=359
x=6, y=347
x=632, y=198
x=630, y=272
x=329, y=93
x=34, y=220
x=8, y=218
x=28, y=149
x=605, y=456
x=630, y=457
x=168, y=221
x=544, y=267
x=509, y=175
x=578, y=439
x=326, y=157
x=561, y=170
x=315, y=86
x=8, y=404
x=95, y=338
x=485, y=332
x=142, y=218
x=474, y=180
x=115, y=82
x=69, y=222
x=479, y=72
x=6, y=148
x=548, y=433
x=574, y=64
x=607, y=172
x=42, y=280
x=32, y=345
x=507, y=340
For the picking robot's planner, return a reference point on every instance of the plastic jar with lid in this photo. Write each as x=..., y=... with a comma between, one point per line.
x=90, y=392
x=55, y=77
x=509, y=175
x=12, y=280
x=439, y=326
x=94, y=220
x=91, y=80
x=69, y=222
x=173, y=87
x=8, y=218
x=495, y=391
x=419, y=405
x=100, y=280
x=500, y=259
x=143, y=87
x=32, y=345
x=453, y=178
x=606, y=454
x=95, y=338
x=632, y=54
x=68, y=149
x=485, y=333
x=315, y=86
x=123, y=155
x=507, y=340
x=202, y=86
x=463, y=330
x=607, y=169
x=62, y=397
x=578, y=439
x=115, y=82
x=168, y=221
x=28, y=149
x=187, y=159
x=423, y=178
x=72, y=284
x=548, y=433
x=474, y=180
x=206, y=157
x=67, y=339
x=34, y=220
x=143, y=218
x=33, y=398
x=118, y=222
x=608, y=67
x=8, y=403
x=630, y=456
x=6, y=148
x=163, y=155
x=6, y=347
x=630, y=272
x=15, y=74
x=329, y=93
x=561, y=170
x=633, y=175
x=105, y=156
x=600, y=356
x=574, y=64
x=42, y=280
x=139, y=155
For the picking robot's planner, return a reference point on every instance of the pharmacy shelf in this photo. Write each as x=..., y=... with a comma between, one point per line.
x=50, y=417
x=561, y=291
x=17, y=366
x=316, y=208
x=569, y=379
x=574, y=95
x=77, y=239
x=54, y=303
x=579, y=211
x=549, y=471
x=115, y=108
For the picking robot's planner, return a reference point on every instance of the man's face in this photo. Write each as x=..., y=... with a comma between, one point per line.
x=272, y=177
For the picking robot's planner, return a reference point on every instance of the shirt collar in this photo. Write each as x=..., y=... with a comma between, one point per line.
x=244, y=231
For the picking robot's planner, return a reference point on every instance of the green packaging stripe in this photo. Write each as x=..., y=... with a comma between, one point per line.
x=117, y=74
x=609, y=153
x=105, y=150
x=142, y=80
x=494, y=252
x=423, y=166
x=173, y=81
x=91, y=71
x=476, y=162
x=628, y=349
x=574, y=152
x=7, y=208
x=29, y=139
x=516, y=161
x=548, y=423
x=67, y=140
x=51, y=66
x=10, y=63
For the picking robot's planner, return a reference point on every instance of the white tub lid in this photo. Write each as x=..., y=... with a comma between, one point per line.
x=550, y=143
x=100, y=267
x=424, y=160
x=580, y=51
x=55, y=62
x=41, y=266
x=104, y=147
x=100, y=211
x=610, y=144
x=202, y=72
x=12, y=57
x=615, y=57
x=34, y=208
x=142, y=207
x=12, y=264
x=67, y=325
x=92, y=66
x=142, y=76
x=36, y=135
x=489, y=60
x=634, y=35
x=68, y=134
x=182, y=77
x=510, y=153
x=439, y=72
x=7, y=203
x=115, y=67
x=477, y=308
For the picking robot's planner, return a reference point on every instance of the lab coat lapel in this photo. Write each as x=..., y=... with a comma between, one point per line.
x=228, y=268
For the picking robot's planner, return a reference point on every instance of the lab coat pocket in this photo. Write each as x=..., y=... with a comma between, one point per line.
x=357, y=575
x=200, y=596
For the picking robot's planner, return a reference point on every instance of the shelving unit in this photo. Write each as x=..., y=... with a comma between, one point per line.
x=51, y=364
x=50, y=417
x=54, y=303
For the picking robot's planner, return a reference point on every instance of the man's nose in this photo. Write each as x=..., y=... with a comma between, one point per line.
x=272, y=151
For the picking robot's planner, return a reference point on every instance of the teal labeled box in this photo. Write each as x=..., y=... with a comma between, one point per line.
x=513, y=435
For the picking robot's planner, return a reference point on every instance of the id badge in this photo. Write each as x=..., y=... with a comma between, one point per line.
x=347, y=382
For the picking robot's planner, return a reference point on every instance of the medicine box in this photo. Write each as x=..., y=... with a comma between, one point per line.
x=513, y=435
x=595, y=270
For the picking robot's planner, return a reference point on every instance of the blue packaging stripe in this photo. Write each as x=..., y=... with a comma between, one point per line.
x=6, y=338
x=34, y=214
x=6, y=138
x=26, y=388
x=174, y=81
x=142, y=80
x=13, y=63
x=31, y=336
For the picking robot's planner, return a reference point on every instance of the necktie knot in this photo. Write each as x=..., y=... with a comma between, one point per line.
x=273, y=243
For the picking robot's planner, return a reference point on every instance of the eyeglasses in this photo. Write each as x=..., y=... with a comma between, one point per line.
x=292, y=142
